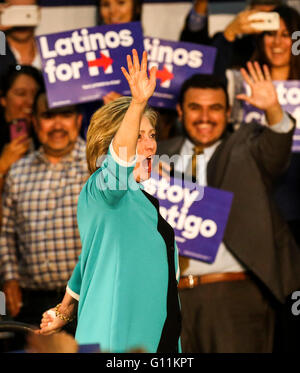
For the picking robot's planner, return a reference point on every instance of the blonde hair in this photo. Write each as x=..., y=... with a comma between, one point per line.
x=104, y=124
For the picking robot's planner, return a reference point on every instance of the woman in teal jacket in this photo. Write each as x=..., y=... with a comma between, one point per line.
x=125, y=279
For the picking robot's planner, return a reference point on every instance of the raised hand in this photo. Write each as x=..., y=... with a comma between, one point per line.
x=263, y=92
x=141, y=86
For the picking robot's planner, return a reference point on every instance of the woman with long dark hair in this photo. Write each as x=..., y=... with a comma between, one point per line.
x=274, y=48
x=19, y=88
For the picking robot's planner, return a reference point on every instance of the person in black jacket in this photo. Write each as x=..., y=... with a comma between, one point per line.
x=236, y=43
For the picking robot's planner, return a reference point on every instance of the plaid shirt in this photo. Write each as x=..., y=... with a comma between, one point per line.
x=39, y=240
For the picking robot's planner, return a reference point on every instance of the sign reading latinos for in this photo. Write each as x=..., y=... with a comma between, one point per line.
x=83, y=65
x=289, y=98
x=176, y=62
x=197, y=214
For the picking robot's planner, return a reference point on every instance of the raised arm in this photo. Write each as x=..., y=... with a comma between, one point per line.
x=142, y=88
x=272, y=146
x=263, y=93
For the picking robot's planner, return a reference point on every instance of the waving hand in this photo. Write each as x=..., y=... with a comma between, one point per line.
x=263, y=93
x=141, y=86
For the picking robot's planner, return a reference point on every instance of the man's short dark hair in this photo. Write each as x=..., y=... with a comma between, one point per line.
x=203, y=82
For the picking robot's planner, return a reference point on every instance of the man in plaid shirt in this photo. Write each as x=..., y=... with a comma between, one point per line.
x=39, y=240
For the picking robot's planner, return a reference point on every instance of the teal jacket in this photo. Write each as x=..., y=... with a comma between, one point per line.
x=121, y=278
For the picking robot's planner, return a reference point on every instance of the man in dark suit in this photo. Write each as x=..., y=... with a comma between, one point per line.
x=229, y=305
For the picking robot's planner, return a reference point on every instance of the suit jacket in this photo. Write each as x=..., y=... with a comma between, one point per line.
x=246, y=163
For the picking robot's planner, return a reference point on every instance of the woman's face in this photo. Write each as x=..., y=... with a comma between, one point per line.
x=116, y=11
x=278, y=46
x=19, y=99
x=146, y=149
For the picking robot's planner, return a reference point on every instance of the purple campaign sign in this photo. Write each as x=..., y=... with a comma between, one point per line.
x=83, y=65
x=198, y=215
x=176, y=62
x=289, y=97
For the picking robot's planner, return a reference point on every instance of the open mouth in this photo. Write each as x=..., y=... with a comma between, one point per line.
x=147, y=163
x=204, y=128
x=278, y=52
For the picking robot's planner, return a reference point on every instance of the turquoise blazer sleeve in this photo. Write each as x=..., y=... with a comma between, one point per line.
x=74, y=283
x=113, y=179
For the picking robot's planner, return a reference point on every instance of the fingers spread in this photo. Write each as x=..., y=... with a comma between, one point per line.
x=130, y=65
x=267, y=73
x=252, y=72
x=243, y=97
x=153, y=74
x=125, y=73
x=136, y=62
x=144, y=62
x=259, y=71
x=246, y=77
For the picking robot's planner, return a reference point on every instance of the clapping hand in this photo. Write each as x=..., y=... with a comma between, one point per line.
x=141, y=86
x=263, y=92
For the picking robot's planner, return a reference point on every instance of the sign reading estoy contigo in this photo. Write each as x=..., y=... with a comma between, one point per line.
x=289, y=98
x=83, y=65
x=197, y=214
x=176, y=62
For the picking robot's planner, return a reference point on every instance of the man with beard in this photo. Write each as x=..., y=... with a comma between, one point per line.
x=39, y=241
x=229, y=305
x=21, y=47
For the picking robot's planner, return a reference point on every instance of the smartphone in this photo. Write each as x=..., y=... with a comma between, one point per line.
x=268, y=21
x=18, y=127
x=20, y=15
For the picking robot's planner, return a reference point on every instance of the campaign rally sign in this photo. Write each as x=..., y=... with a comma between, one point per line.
x=176, y=62
x=197, y=214
x=83, y=65
x=289, y=98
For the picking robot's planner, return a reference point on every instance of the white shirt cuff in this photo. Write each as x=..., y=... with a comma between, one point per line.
x=72, y=293
x=120, y=161
x=284, y=126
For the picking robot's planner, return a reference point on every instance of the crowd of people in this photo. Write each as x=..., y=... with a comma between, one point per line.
x=81, y=252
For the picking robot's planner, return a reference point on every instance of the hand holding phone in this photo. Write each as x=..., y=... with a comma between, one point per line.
x=20, y=15
x=265, y=21
x=13, y=151
x=18, y=127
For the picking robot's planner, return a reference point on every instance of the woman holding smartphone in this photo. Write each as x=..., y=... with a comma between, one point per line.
x=125, y=280
x=19, y=88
